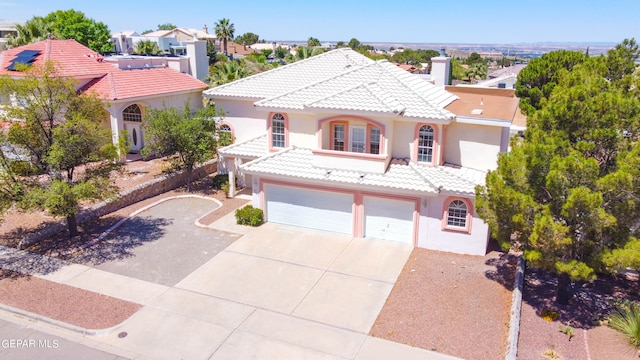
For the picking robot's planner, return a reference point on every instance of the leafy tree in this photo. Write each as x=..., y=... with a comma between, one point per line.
x=281, y=52
x=354, y=43
x=147, y=47
x=166, y=26
x=267, y=52
x=248, y=38
x=474, y=58
x=340, y=44
x=458, y=72
x=622, y=59
x=224, y=32
x=33, y=30
x=568, y=194
x=189, y=138
x=71, y=24
x=537, y=80
x=311, y=42
x=414, y=57
x=65, y=141
x=147, y=31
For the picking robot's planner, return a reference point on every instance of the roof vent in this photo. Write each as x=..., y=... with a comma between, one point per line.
x=476, y=111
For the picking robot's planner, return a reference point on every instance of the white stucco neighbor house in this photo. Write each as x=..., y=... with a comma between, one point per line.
x=126, y=92
x=342, y=143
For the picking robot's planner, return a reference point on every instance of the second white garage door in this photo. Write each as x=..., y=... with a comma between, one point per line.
x=315, y=209
x=388, y=219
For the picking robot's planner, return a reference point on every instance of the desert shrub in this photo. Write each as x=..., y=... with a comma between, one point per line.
x=626, y=319
x=249, y=215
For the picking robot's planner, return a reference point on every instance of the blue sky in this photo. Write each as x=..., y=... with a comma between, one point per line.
x=408, y=21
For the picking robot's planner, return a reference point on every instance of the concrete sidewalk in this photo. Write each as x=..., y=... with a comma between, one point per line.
x=277, y=292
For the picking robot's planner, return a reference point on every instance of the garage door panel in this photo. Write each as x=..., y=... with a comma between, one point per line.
x=316, y=209
x=389, y=219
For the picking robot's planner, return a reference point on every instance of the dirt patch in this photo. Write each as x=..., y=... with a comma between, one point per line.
x=68, y=304
x=591, y=302
x=453, y=304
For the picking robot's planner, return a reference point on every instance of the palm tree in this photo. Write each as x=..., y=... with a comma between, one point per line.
x=476, y=71
x=147, y=47
x=227, y=72
x=224, y=32
x=33, y=30
x=305, y=52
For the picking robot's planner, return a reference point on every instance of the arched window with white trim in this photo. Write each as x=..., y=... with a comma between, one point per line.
x=457, y=214
x=278, y=131
x=425, y=144
x=132, y=113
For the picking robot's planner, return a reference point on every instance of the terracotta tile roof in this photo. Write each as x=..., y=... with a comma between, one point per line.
x=71, y=58
x=75, y=60
x=125, y=84
x=238, y=49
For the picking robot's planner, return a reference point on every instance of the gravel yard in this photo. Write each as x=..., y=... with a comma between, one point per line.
x=453, y=304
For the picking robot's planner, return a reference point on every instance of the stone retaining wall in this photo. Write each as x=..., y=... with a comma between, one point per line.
x=128, y=197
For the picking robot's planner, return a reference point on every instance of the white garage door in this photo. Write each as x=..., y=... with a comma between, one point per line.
x=322, y=210
x=388, y=219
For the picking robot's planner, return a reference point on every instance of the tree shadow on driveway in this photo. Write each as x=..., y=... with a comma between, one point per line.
x=121, y=244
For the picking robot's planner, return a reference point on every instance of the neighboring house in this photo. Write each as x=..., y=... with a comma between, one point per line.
x=7, y=29
x=342, y=143
x=236, y=50
x=126, y=93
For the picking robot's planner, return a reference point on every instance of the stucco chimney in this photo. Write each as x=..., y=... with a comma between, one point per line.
x=198, y=59
x=440, y=69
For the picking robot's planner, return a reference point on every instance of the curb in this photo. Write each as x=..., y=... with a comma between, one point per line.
x=61, y=324
x=516, y=307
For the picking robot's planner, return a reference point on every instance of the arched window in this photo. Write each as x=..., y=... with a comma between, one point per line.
x=457, y=214
x=277, y=131
x=425, y=144
x=132, y=113
x=225, y=129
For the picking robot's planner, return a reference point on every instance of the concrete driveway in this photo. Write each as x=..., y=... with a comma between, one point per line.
x=277, y=292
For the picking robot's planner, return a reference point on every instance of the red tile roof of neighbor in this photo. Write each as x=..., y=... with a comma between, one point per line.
x=110, y=83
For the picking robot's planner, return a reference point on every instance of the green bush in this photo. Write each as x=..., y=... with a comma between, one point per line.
x=626, y=319
x=249, y=215
x=219, y=180
x=24, y=168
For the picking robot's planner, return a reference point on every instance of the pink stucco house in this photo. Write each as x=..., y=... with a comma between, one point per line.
x=342, y=143
x=127, y=92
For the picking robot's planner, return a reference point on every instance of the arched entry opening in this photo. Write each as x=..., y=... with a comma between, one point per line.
x=132, y=121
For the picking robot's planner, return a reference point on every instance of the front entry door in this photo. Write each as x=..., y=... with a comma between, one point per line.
x=134, y=136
